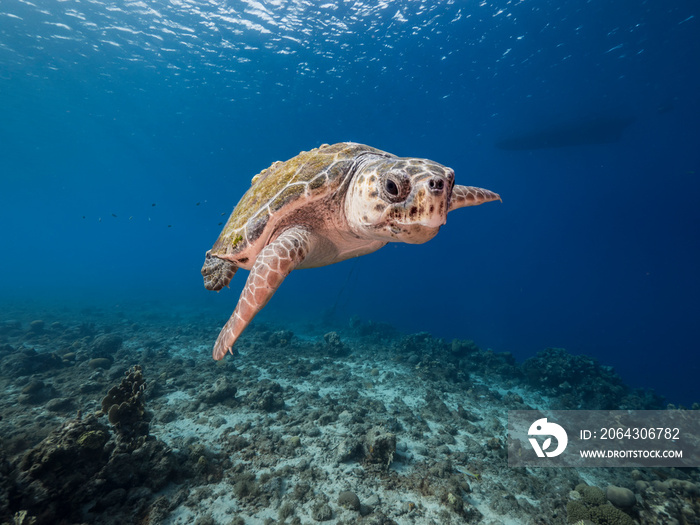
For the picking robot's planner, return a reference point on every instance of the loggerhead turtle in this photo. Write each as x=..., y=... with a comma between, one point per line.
x=322, y=207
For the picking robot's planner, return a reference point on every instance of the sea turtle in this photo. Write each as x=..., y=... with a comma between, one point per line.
x=324, y=206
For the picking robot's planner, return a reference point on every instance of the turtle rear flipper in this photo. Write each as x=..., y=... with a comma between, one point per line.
x=217, y=272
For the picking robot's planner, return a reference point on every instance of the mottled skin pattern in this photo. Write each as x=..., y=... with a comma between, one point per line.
x=324, y=206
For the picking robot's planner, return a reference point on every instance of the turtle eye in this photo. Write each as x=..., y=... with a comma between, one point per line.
x=396, y=189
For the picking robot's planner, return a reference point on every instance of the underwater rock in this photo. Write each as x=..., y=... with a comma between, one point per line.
x=285, y=511
x=280, y=339
x=37, y=326
x=350, y=448
x=684, y=486
x=621, y=497
x=223, y=391
x=454, y=502
x=514, y=401
x=89, y=386
x=334, y=347
x=111, y=499
x=167, y=416
x=266, y=396
x=28, y=362
x=6, y=485
x=245, y=486
x=10, y=326
x=34, y=386
x=349, y=500
x=302, y=491
x=100, y=362
x=435, y=409
x=467, y=414
x=321, y=511
x=59, y=404
x=6, y=349
x=152, y=464
x=106, y=345
x=36, y=392
x=379, y=447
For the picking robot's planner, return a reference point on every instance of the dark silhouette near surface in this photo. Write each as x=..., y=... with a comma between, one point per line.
x=594, y=131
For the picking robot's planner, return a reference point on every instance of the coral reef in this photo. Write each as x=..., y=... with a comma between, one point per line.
x=82, y=472
x=125, y=408
x=589, y=503
x=353, y=424
x=581, y=382
x=53, y=477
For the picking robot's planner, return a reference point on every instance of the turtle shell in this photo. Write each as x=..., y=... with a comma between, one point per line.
x=297, y=182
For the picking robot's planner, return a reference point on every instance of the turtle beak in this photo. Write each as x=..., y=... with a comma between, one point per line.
x=434, y=222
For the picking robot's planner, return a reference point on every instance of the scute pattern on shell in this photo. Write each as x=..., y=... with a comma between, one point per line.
x=308, y=176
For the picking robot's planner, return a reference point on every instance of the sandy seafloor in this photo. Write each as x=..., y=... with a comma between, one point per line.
x=347, y=422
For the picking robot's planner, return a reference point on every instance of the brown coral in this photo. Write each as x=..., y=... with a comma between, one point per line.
x=124, y=406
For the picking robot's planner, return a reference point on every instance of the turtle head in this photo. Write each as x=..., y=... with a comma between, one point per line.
x=398, y=199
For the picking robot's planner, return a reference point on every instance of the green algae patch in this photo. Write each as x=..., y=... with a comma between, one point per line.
x=93, y=439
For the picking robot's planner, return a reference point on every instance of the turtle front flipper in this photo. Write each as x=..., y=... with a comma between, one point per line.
x=272, y=265
x=471, y=196
x=217, y=272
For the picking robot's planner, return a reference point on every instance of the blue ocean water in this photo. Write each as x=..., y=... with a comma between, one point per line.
x=130, y=129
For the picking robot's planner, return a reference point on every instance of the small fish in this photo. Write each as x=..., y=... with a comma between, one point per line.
x=469, y=473
x=114, y=215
